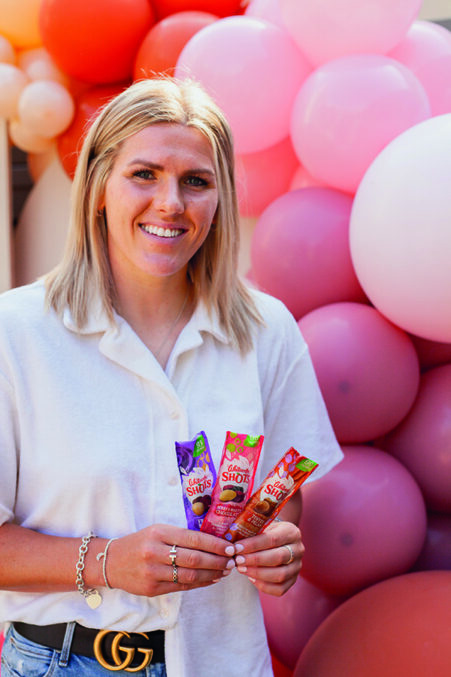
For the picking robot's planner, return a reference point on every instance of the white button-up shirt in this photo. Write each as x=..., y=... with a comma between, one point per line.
x=88, y=422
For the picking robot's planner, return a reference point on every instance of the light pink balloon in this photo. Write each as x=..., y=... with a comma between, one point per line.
x=46, y=108
x=436, y=552
x=290, y=620
x=37, y=64
x=300, y=250
x=400, y=231
x=12, y=82
x=361, y=523
x=263, y=176
x=269, y=10
x=328, y=29
x=426, y=51
x=423, y=440
x=254, y=70
x=367, y=369
x=347, y=111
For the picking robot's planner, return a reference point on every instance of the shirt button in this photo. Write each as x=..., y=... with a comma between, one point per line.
x=173, y=481
x=164, y=613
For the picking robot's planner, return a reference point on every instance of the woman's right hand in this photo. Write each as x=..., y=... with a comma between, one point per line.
x=140, y=563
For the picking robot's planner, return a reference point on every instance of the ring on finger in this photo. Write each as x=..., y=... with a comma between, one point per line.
x=290, y=550
x=175, y=573
x=173, y=554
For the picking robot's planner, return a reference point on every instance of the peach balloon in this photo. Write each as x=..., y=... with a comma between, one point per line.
x=7, y=51
x=12, y=83
x=46, y=107
x=37, y=64
x=19, y=22
x=28, y=141
x=38, y=162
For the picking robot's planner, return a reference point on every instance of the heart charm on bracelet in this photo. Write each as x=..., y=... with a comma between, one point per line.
x=93, y=599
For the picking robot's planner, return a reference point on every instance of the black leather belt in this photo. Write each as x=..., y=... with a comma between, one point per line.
x=114, y=650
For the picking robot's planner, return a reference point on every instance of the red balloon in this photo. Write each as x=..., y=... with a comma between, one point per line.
x=279, y=669
x=86, y=108
x=95, y=40
x=221, y=8
x=400, y=627
x=162, y=45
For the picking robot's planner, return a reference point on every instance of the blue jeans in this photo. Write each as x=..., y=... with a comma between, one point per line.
x=22, y=658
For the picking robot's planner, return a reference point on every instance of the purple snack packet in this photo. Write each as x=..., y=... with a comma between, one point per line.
x=197, y=475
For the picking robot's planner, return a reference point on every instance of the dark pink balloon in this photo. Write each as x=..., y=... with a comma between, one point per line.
x=422, y=442
x=362, y=522
x=290, y=620
x=300, y=250
x=431, y=353
x=367, y=369
x=436, y=552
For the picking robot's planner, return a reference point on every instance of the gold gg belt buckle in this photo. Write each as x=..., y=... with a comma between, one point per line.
x=129, y=652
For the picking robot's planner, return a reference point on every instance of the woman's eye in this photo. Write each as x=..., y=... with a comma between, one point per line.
x=195, y=181
x=143, y=174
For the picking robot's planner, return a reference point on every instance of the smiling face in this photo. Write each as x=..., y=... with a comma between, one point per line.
x=160, y=200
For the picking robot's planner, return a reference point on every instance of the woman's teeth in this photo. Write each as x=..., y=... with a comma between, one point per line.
x=162, y=232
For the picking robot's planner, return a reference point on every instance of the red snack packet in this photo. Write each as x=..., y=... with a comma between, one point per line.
x=277, y=488
x=234, y=481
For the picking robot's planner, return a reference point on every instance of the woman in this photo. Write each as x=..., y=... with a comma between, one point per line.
x=142, y=336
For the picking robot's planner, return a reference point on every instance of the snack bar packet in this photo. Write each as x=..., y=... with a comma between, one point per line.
x=197, y=475
x=277, y=488
x=234, y=483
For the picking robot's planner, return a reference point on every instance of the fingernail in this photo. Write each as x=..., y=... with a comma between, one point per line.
x=240, y=559
x=226, y=572
x=230, y=550
x=242, y=570
x=230, y=564
x=238, y=547
x=252, y=579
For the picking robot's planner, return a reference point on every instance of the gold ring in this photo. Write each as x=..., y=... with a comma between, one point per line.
x=173, y=554
x=291, y=554
x=175, y=574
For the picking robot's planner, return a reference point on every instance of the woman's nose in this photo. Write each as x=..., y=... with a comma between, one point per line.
x=168, y=196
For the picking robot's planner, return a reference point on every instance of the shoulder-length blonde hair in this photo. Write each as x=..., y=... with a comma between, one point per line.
x=85, y=270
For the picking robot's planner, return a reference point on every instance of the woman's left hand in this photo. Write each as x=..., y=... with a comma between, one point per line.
x=272, y=560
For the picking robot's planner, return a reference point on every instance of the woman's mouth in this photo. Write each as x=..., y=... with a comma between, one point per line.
x=161, y=232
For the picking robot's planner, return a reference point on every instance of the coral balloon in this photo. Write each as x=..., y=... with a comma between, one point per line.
x=329, y=29
x=7, y=51
x=398, y=628
x=362, y=522
x=436, y=552
x=95, y=41
x=87, y=106
x=221, y=8
x=400, y=244
x=259, y=77
x=257, y=182
x=426, y=51
x=46, y=108
x=348, y=110
x=12, y=83
x=356, y=352
x=300, y=250
x=161, y=48
x=290, y=620
x=423, y=440
x=19, y=22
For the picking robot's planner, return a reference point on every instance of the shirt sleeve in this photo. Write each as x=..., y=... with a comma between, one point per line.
x=295, y=414
x=8, y=451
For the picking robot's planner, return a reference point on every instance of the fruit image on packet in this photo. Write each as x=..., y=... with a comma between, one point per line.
x=197, y=475
x=276, y=489
x=234, y=482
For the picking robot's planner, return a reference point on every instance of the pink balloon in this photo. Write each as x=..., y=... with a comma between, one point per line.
x=329, y=29
x=362, y=522
x=254, y=70
x=347, y=111
x=436, y=552
x=302, y=179
x=367, y=369
x=431, y=353
x=400, y=231
x=300, y=250
x=290, y=620
x=46, y=108
x=426, y=51
x=423, y=440
x=269, y=10
x=257, y=182
x=12, y=83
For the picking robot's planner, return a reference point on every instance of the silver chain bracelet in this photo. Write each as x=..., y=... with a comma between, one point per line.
x=92, y=596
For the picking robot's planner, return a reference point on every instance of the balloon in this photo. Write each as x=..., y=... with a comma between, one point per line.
x=356, y=352
x=348, y=110
x=398, y=628
x=86, y=107
x=7, y=52
x=302, y=179
x=279, y=669
x=95, y=41
x=426, y=51
x=27, y=140
x=257, y=182
x=269, y=10
x=290, y=620
x=300, y=250
x=46, y=108
x=37, y=64
x=329, y=29
x=259, y=77
x=19, y=22
x=436, y=552
x=362, y=522
x=400, y=244
x=163, y=44
x=41, y=232
x=219, y=7
x=431, y=353
x=12, y=82
x=423, y=440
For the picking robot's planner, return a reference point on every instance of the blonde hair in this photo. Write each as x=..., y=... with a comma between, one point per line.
x=85, y=272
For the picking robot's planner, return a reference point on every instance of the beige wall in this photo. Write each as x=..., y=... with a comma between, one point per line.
x=435, y=9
